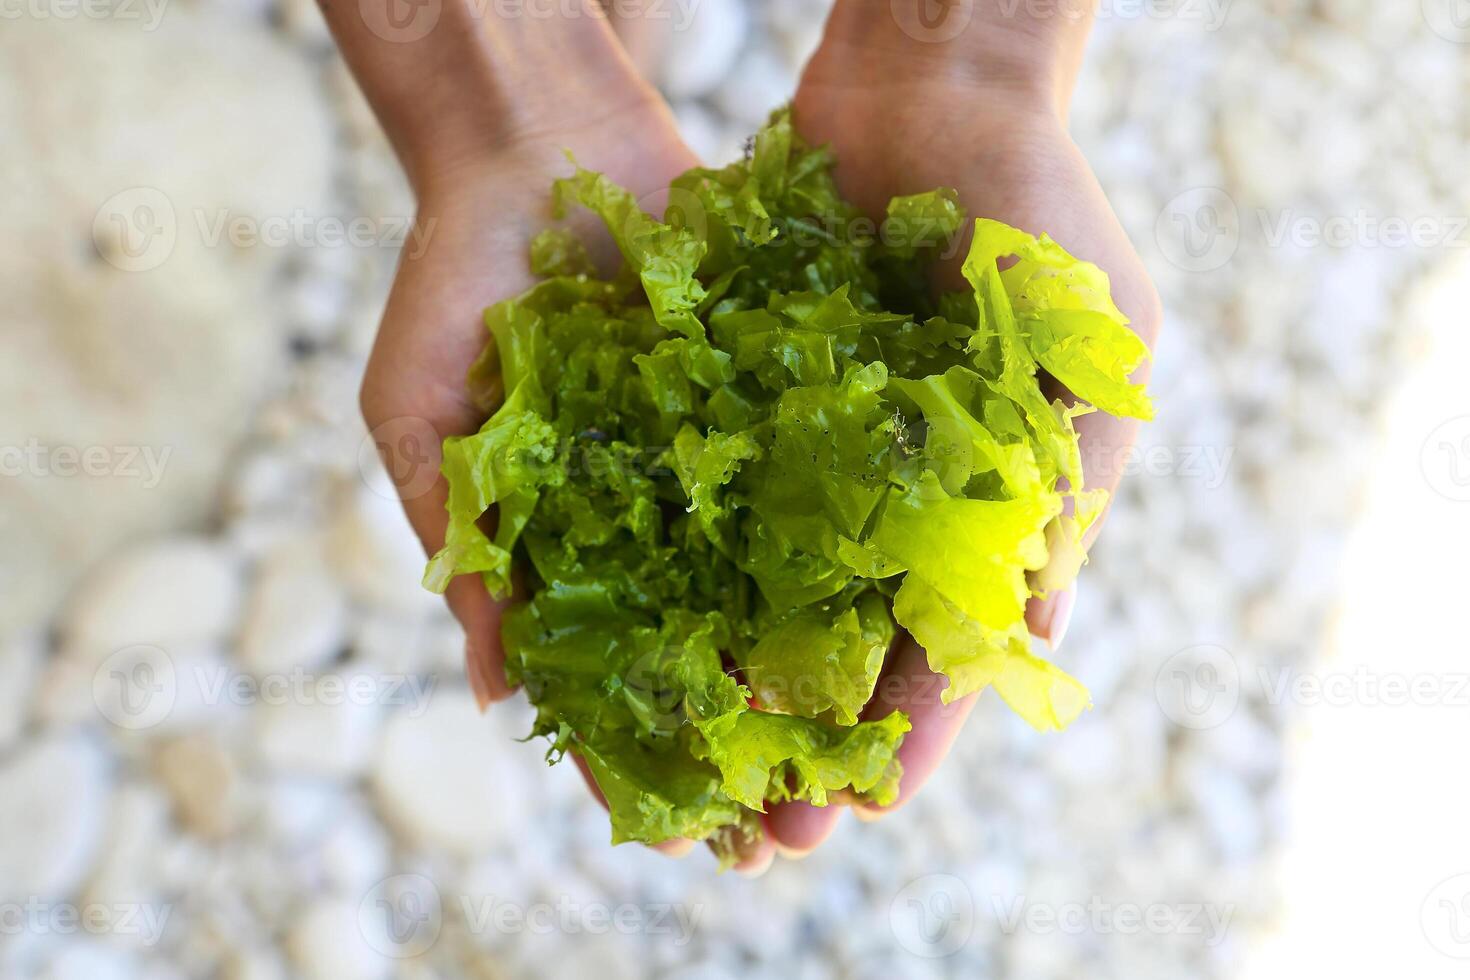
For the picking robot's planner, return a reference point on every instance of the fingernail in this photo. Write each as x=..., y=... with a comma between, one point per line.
x=756, y=870
x=476, y=674
x=792, y=853
x=675, y=849
x=1061, y=616
x=868, y=814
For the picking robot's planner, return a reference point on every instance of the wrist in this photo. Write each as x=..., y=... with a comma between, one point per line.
x=1028, y=51
x=481, y=78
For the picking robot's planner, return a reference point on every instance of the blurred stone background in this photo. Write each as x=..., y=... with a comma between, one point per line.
x=235, y=739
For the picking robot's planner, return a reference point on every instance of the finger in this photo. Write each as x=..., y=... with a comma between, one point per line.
x=1048, y=618
x=753, y=855
x=798, y=828
x=1093, y=233
x=1104, y=442
x=908, y=685
x=675, y=847
x=410, y=449
x=479, y=616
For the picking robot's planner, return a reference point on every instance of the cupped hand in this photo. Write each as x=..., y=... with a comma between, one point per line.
x=476, y=218
x=986, y=115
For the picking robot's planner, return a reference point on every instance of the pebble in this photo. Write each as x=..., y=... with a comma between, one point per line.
x=204, y=782
x=602, y=956
x=53, y=804
x=760, y=83
x=181, y=688
x=319, y=735
x=1091, y=756
x=700, y=56
x=703, y=132
x=355, y=853
x=1229, y=811
x=265, y=479
x=299, y=810
x=326, y=944
x=375, y=553
x=92, y=959
x=138, y=828
x=317, y=304
x=20, y=665
x=447, y=778
x=177, y=590
x=296, y=616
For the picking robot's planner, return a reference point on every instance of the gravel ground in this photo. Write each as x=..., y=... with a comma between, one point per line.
x=306, y=789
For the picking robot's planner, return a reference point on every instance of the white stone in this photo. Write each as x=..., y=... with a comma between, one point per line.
x=602, y=956
x=326, y=943
x=177, y=590
x=185, y=687
x=1244, y=745
x=759, y=83
x=20, y=666
x=268, y=478
x=1230, y=813
x=1259, y=158
x=162, y=363
x=447, y=779
x=296, y=615
x=701, y=55
x=701, y=131
x=1089, y=756
x=318, y=735
x=53, y=803
x=137, y=832
x=91, y=959
x=318, y=305
x=374, y=551
x=355, y=853
x=299, y=810
x=432, y=646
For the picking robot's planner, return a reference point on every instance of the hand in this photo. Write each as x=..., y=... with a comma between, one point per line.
x=984, y=113
x=482, y=163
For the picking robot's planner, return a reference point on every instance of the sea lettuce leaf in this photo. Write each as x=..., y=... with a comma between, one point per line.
x=725, y=478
